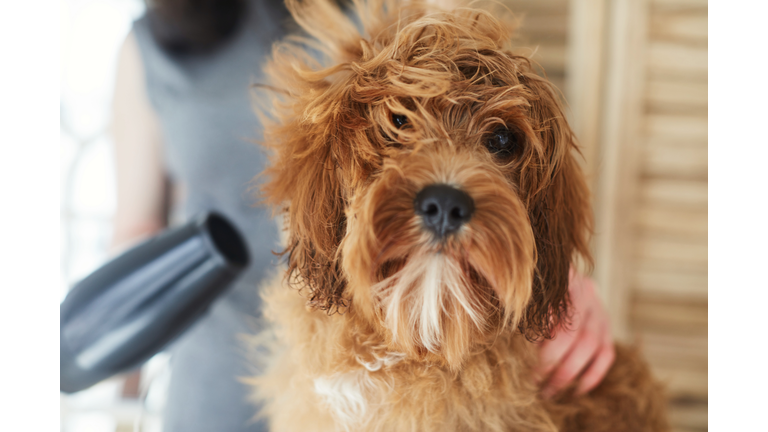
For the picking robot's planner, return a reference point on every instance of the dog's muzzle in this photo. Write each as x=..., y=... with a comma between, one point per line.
x=444, y=209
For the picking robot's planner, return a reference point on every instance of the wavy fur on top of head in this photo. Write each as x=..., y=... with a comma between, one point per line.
x=346, y=175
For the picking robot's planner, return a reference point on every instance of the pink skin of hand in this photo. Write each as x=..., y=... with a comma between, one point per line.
x=584, y=347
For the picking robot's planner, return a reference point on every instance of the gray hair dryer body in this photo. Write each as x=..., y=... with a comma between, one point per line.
x=133, y=306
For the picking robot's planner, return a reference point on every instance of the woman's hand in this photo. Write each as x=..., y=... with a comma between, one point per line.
x=584, y=347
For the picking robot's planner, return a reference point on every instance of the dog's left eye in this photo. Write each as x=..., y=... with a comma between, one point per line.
x=399, y=120
x=502, y=142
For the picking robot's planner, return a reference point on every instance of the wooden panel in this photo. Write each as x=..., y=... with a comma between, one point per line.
x=682, y=383
x=679, y=27
x=676, y=95
x=550, y=56
x=690, y=255
x=620, y=131
x=558, y=81
x=542, y=33
x=691, y=416
x=538, y=6
x=669, y=306
x=661, y=6
x=683, y=128
x=671, y=162
x=660, y=282
x=585, y=80
x=691, y=194
x=684, y=223
x=686, y=429
x=666, y=59
x=551, y=26
x=686, y=318
x=663, y=141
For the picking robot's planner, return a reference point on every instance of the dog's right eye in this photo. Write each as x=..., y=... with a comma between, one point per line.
x=399, y=120
x=502, y=142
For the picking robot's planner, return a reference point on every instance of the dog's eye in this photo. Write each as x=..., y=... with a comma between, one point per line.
x=399, y=120
x=502, y=142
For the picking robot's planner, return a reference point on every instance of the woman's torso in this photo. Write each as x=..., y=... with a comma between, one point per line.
x=204, y=107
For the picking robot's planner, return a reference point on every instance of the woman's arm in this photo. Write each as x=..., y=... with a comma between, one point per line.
x=141, y=193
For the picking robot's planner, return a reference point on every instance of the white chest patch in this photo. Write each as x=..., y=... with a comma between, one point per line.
x=347, y=394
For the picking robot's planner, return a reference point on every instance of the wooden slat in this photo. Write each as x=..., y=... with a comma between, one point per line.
x=674, y=265
x=658, y=6
x=661, y=283
x=537, y=6
x=558, y=81
x=678, y=95
x=686, y=429
x=675, y=161
x=675, y=193
x=667, y=59
x=663, y=141
x=681, y=128
x=671, y=221
x=685, y=318
x=689, y=415
x=679, y=27
x=681, y=382
x=674, y=253
x=585, y=79
x=621, y=127
x=551, y=26
x=550, y=56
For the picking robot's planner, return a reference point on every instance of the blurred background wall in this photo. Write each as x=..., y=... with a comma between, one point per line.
x=634, y=74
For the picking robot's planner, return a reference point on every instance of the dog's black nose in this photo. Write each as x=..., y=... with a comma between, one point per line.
x=443, y=208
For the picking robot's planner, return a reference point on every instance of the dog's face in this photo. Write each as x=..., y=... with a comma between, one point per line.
x=429, y=181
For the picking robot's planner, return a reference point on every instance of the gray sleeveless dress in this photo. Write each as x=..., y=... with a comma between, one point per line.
x=209, y=127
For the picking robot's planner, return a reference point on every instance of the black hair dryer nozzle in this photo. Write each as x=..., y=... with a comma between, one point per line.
x=133, y=306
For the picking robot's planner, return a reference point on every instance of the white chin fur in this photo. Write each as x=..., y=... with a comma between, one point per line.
x=424, y=293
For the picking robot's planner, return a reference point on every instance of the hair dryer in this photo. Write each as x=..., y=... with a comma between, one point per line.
x=130, y=308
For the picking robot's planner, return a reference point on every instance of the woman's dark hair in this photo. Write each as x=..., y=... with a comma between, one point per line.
x=193, y=26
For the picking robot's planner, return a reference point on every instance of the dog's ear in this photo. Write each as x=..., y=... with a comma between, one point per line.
x=559, y=211
x=308, y=127
x=303, y=179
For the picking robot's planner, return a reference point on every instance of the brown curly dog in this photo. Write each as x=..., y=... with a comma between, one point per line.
x=433, y=205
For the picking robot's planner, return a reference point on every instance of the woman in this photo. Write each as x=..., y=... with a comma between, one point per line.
x=184, y=131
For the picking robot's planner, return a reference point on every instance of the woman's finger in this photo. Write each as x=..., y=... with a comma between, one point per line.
x=597, y=370
x=553, y=351
x=584, y=350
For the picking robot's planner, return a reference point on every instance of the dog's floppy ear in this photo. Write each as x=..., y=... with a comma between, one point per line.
x=303, y=179
x=304, y=124
x=559, y=211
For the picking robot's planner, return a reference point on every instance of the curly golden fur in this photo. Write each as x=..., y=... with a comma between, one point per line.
x=432, y=333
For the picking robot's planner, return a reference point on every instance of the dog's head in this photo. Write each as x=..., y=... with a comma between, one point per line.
x=427, y=174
